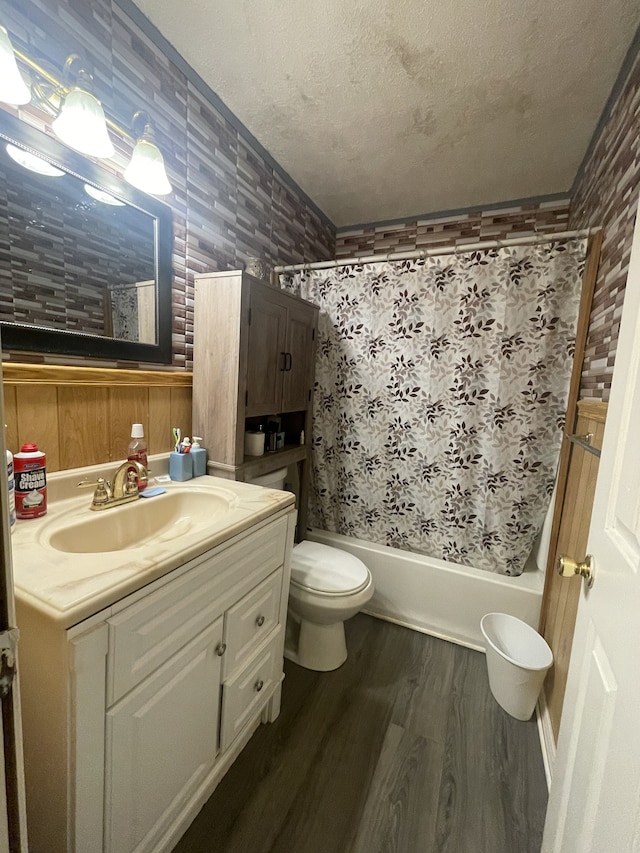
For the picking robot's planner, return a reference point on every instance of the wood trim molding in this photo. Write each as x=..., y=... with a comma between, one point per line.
x=47, y=374
x=595, y=410
x=547, y=740
x=594, y=246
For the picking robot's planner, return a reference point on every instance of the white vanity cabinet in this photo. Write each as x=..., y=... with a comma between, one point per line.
x=132, y=716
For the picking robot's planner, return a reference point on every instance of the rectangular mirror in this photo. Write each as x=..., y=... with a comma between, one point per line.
x=85, y=258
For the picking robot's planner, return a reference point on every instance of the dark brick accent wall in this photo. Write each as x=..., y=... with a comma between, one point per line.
x=606, y=194
x=228, y=201
x=454, y=229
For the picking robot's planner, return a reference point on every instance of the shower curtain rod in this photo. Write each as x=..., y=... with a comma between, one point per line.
x=441, y=250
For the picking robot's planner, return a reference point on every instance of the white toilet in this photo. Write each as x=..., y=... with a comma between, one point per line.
x=328, y=586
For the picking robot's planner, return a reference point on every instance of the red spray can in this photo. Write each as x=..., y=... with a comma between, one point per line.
x=30, y=471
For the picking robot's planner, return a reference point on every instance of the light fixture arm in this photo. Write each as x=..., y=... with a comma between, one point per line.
x=61, y=86
x=142, y=127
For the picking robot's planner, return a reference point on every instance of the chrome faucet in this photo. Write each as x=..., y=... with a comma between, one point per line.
x=124, y=489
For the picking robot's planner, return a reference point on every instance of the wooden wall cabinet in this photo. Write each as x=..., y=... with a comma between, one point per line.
x=280, y=352
x=254, y=357
x=133, y=716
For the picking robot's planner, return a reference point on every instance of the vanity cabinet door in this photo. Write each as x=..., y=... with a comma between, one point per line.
x=267, y=353
x=161, y=742
x=300, y=347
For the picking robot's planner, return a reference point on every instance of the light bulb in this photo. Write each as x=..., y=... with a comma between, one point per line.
x=146, y=169
x=81, y=124
x=13, y=89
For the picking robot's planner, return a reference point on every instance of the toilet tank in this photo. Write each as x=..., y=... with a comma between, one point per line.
x=272, y=480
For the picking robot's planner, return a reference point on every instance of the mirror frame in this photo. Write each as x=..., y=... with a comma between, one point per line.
x=34, y=338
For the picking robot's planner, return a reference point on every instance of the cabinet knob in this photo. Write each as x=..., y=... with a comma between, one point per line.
x=221, y=648
x=260, y=621
x=259, y=685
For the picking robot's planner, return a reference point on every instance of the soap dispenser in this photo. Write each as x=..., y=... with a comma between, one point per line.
x=198, y=457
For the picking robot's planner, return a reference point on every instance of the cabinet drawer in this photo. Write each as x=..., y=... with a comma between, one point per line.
x=249, y=621
x=143, y=636
x=250, y=688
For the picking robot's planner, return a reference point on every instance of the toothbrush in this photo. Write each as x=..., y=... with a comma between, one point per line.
x=177, y=434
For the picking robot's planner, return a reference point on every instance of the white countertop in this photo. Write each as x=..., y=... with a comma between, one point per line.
x=69, y=587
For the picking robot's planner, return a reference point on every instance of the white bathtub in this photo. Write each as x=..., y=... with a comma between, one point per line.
x=440, y=598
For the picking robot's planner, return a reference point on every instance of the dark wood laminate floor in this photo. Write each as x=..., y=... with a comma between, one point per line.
x=401, y=750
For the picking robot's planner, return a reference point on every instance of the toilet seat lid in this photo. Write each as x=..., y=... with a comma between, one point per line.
x=321, y=568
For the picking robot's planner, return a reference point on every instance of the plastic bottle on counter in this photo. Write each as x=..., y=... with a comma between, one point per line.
x=198, y=457
x=30, y=473
x=137, y=452
x=11, y=491
x=138, y=446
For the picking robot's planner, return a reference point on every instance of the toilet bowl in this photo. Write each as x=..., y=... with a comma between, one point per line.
x=328, y=586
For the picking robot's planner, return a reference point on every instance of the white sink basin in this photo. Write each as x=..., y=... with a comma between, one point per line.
x=148, y=520
x=73, y=562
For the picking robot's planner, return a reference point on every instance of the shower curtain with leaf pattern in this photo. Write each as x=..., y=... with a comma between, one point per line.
x=441, y=388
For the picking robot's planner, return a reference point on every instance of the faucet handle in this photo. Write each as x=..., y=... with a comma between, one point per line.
x=131, y=486
x=102, y=486
x=85, y=484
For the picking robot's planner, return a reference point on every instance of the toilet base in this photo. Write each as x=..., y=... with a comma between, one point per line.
x=321, y=648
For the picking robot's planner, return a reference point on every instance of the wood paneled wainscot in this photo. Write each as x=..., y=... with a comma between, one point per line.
x=561, y=597
x=83, y=415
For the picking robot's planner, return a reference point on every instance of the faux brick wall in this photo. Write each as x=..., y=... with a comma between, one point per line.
x=433, y=232
x=228, y=201
x=606, y=194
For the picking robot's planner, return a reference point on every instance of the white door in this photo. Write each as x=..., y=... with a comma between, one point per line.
x=594, y=802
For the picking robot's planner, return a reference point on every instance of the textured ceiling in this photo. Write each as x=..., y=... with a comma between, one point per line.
x=393, y=108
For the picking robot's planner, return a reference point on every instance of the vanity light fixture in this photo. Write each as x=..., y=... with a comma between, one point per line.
x=13, y=89
x=79, y=119
x=146, y=169
x=81, y=123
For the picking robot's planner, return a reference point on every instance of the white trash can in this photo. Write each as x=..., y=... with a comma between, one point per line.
x=517, y=661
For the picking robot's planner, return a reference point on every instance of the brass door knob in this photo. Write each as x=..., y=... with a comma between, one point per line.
x=569, y=568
